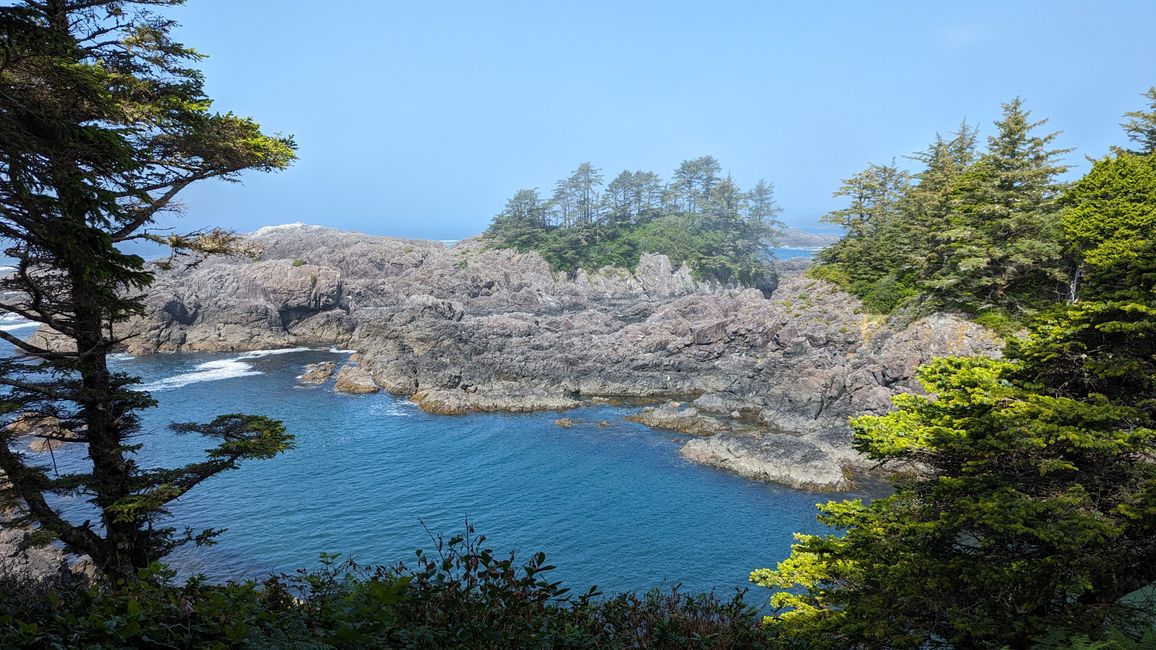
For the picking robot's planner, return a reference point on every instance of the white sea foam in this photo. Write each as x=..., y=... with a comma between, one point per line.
x=336, y=351
x=393, y=409
x=218, y=370
x=11, y=322
x=209, y=371
x=257, y=354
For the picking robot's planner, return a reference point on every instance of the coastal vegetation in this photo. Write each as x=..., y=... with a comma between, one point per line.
x=104, y=124
x=1028, y=506
x=700, y=217
x=460, y=596
x=972, y=231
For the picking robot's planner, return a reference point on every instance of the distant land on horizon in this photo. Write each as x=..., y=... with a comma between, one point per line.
x=792, y=238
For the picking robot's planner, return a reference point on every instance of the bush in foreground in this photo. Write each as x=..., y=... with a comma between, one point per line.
x=460, y=596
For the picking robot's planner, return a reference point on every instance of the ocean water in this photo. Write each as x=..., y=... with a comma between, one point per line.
x=610, y=502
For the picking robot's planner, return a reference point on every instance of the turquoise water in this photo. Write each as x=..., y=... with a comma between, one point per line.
x=614, y=506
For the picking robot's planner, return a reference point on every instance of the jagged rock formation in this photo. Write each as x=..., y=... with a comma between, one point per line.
x=318, y=373
x=17, y=559
x=674, y=417
x=466, y=329
x=354, y=379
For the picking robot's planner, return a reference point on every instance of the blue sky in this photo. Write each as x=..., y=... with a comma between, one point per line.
x=420, y=119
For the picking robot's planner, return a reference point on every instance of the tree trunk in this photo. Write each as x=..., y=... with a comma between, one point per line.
x=57, y=11
x=124, y=550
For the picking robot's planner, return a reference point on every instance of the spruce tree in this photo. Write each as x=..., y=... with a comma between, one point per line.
x=522, y=224
x=929, y=203
x=103, y=122
x=1027, y=508
x=1141, y=125
x=866, y=258
x=1000, y=248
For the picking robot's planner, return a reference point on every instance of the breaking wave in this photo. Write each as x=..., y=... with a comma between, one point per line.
x=257, y=354
x=217, y=370
x=208, y=371
x=12, y=322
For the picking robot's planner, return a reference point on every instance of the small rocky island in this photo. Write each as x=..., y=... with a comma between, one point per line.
x=764, y=383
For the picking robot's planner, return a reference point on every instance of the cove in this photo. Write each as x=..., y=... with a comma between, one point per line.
x=610, y=502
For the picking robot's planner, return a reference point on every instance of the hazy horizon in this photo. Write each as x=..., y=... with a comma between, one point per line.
x=421, y=120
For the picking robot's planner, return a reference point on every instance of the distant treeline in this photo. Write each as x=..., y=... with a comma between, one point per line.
x=974, y=231
x=700, y=217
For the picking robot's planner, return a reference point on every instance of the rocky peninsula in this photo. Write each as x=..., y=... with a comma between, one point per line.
x=765, y=382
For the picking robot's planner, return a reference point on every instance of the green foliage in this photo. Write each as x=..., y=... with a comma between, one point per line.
x=832, y=272
x=1141, y=125
x=1001, y=245
x=298, y=262
x=1105, y=342
x=1028, y=510
x=105, y=123
x=976, y=233
x=1026, y=516
x=999, y=322
x=462, y=595
x=1135, y=639
x=721, y=232
x=887, y=293
x=1110, y=223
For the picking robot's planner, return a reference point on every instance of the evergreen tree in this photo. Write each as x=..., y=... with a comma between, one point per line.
x=523, y=221
x=761, y=207
x=102, y=124
x=633, y=197
x=1001, y=248
x=691, y=186
x=1141, y=125
x=1029, y=505
x=586, y=180
x=576, y=200
x=648, y=192
x=932, y=199
x=725, y=203
x=726, y=239
x=1104, y=341
x=875, y=193
x=619, y=203
x=866, y=258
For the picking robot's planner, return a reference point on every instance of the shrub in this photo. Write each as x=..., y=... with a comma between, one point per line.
x=460, y=596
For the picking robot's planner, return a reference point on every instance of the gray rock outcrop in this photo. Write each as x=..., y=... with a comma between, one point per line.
x=467, y=328
x=674, y=417
x=318, y=373
x=17, y=559
x=354, y=379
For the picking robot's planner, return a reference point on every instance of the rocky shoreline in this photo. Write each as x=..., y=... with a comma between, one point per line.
x=770, y=380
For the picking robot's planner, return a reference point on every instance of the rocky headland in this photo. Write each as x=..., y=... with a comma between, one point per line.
x=767, y=381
